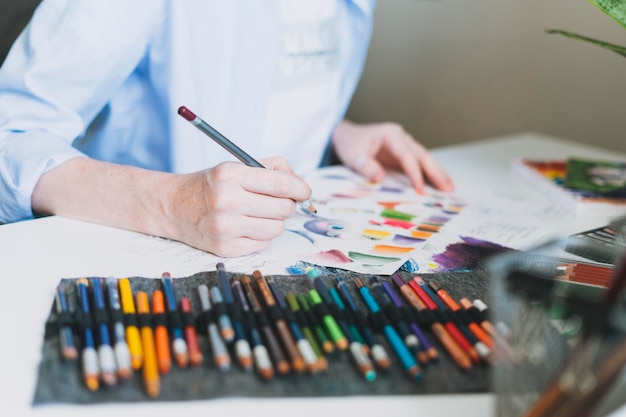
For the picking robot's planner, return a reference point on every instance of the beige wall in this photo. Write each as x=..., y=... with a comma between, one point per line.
x=452, y=71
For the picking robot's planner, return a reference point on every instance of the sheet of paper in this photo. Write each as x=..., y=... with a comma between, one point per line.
x=377, y=228
x=363, y=226
x=197, y=260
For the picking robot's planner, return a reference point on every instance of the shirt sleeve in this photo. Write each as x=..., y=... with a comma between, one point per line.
x=61, y=71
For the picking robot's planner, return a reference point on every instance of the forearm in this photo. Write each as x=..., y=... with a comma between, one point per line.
x=100, y=192
x=228, y=210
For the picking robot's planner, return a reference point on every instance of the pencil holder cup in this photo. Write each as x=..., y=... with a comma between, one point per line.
x=561, y=343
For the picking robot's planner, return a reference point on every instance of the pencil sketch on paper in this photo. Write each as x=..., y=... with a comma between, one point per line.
x=363, y=226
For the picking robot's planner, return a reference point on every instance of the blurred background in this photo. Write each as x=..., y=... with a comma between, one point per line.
x=453, y=71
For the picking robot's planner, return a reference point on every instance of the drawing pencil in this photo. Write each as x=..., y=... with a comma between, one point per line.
x=235, y=150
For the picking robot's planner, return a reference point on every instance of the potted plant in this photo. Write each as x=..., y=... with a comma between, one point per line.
x=615, y=9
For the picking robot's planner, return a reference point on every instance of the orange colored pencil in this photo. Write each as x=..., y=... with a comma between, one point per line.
x=418, y=285
x=150, y=369
x=458, y=354
x=479, y=332
x=161, y=336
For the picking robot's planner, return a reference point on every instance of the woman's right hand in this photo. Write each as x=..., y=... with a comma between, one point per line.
x=231, y=209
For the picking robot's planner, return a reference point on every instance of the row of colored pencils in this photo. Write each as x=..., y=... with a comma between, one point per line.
x=253, y=321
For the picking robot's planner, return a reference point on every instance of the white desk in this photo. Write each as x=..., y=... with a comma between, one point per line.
x=36, y=254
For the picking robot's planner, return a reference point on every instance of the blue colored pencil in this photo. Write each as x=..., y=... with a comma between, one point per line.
x=406, y=358
x=106, y=355
x=91, y=369
x=66, y=335
x=179, y=346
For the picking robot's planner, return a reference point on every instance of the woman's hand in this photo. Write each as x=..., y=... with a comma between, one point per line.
x=231, y=209
x=371, y=148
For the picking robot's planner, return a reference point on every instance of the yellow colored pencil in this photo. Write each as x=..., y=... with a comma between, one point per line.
x=132, y=332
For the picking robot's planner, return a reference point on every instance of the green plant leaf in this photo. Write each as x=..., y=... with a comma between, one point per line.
x=611, y=47
x=614, y=8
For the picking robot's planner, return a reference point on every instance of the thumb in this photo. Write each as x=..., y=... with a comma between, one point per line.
x=369, y=167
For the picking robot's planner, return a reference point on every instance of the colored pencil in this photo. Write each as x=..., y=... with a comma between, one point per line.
x=130, y=318
x=279, y=359
x=189, y=331
x=221, y=315
x=303, y=344
x=356, y=349
x=120, y=346
x=234, y=150
x=262, y=361
x=465, y=319
x=280, y=325
x=327, y=345
x=397, y=321
x=242, y=348
x=106, y=355
x=179, y=346
x=161, y=335
x=404, y=311
x=221, y=357
x=377, y=350
x=456, y=352
x=66, y=334
x=150, y=368
x=91, y=368
x=420, y=289
x=408, y=361
x=305, y=326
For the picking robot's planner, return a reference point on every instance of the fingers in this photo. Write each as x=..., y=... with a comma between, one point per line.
x=241, y=235
x=369, y=167
x=280, y=183
x=234, y=210
x=435, y=174
x=403, y=151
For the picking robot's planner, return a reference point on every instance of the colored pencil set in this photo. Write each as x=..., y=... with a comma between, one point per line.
x=583, y=273
x=252, y=321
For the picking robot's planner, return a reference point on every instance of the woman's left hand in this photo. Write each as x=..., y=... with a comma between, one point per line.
x=371, y=148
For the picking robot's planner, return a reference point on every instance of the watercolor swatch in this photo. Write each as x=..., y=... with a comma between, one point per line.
x=367, y=227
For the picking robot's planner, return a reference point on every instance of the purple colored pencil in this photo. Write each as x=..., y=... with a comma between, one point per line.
x=425, y=344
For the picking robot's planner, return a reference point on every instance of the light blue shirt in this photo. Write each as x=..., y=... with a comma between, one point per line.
x=105, y=79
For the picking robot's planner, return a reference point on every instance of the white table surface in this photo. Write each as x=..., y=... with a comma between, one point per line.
x=36, y=254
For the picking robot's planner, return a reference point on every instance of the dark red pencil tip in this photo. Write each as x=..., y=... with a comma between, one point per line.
x=186, y=113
